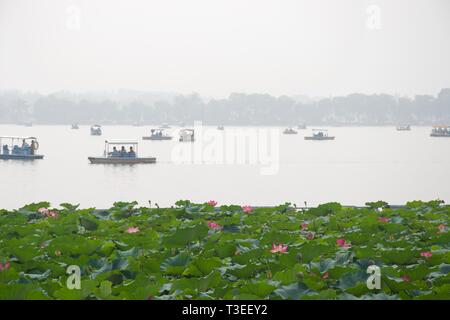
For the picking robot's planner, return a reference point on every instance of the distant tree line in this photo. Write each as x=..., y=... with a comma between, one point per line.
x=237, y=109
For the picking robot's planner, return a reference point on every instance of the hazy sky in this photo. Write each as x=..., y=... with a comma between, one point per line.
x=215, y=47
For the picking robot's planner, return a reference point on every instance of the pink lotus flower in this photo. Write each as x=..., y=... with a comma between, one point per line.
x=212, y=203
x=343, y=244
x=426, y=254
x=53, y=214
x=48, y=213
x=304, y=226
x=442, y=228
x=310, y=236
x=5, y=267
x=133, y=230
x=405, y=278
x=325, y=275
x=247, y=208
x=279, y=248
x=383, y=219
x=43, y=211
x=213, y=225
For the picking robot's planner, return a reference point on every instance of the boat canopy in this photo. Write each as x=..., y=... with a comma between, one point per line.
x=441, y=127
x=134, y=142
x=18, y=138
x=108, y=143
x=15, y=138
x=323, y=130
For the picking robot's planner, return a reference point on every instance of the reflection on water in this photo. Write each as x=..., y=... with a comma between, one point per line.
x=362, y=164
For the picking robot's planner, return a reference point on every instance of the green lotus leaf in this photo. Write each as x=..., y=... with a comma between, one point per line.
x=16, y=291
x=183, y=236
x=202, y=266
x=261, y=289
x=176, y=265
x=294, y=291
x=87, y=288
x=352, y=279
x=88, y=224
x=312, y=251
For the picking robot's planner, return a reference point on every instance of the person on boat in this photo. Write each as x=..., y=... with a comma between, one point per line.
x=123, y=152
x=25, y=147
x=131, y=153
x=33, y=147
x=6, y=150
x=114, y=153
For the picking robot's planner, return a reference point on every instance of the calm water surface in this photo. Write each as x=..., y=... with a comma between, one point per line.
x=362, y=164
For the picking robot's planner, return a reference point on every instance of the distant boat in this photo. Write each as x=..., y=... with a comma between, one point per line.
x=157, y=134
x=165, y=126
x=220, y=128
x=404, y=128
x=28, y=124
x=96, y=130
x=186, y=135
x=75, y=126
x=289, y=131
x=301, y=126
x=440, y=131
x=119, y=157
x=19, y=149
x=319, y=134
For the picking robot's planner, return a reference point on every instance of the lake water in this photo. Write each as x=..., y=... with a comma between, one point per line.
x=362, y=164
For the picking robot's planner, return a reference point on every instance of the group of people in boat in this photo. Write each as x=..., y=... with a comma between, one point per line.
x=441, y=130
x=123, y=153
x=156, y=133
x=25, y=150
x=318, y=134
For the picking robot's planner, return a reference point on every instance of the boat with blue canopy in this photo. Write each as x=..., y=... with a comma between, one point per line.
x=19, y=148
x=440, y=131
x=319, y=134
x=157, y=134
x=121, y=152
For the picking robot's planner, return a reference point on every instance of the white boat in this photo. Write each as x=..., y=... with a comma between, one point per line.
x=440, y=131
x=289, y=131
x=319, y=134
x=26, y=151
x=157, y=134
x=122, y=156
x=404, y=128
x=75, y=126
x=220, y=127
x=96, y=130
x=186, y=135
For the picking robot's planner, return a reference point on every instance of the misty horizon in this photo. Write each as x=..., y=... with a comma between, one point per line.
x=147, y=107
